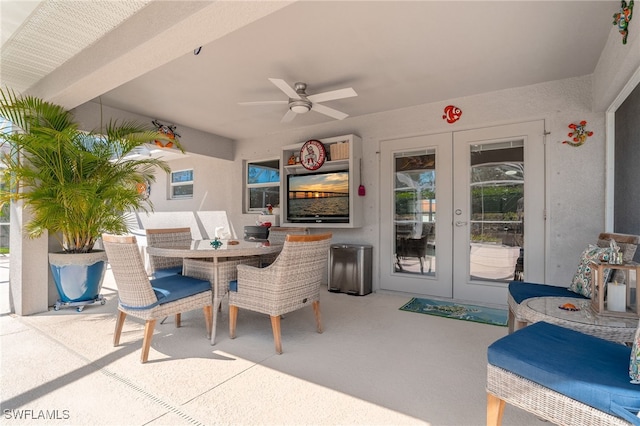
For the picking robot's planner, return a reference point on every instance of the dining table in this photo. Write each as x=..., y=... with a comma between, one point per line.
x=217, y=250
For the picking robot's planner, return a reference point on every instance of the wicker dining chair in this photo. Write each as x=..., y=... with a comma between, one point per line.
x=153, y=299
x=160, y=266
x=291, y=282
x=277, y=235
x=227, y=272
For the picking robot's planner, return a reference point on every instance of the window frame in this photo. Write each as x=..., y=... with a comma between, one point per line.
x=173, y=184
x=248, y=186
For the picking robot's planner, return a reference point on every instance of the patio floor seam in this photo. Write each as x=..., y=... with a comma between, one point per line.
x=171, y=408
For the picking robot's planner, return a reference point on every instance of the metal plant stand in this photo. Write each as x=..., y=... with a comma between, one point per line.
x=79, y=305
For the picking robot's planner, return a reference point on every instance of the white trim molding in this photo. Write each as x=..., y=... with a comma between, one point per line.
x=610, y=147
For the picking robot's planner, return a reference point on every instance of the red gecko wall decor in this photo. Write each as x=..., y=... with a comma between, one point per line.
x=578, y=134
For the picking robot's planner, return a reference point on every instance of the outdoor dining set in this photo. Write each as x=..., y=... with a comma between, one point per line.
x=272, y=277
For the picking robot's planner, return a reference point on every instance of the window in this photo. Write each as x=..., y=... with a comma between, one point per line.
x=181, y=184
x=262, y=180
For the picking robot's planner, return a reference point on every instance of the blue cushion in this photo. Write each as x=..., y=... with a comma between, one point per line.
x=233, y=285
x=634, y=362
x=161, y=273
x=521, y=290
x=173, y=287
x=585, y=368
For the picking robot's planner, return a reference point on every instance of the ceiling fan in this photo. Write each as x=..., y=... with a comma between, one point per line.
x=299, y=102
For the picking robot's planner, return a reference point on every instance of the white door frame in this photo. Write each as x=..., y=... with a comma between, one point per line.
x=533, y=133
x=610, y=165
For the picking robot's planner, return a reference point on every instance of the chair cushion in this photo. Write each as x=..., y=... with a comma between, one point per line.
x=634, y=363
x=521, y=290
x=173, y=287
x=582, y=367
x=581, y=282
x=165, y=272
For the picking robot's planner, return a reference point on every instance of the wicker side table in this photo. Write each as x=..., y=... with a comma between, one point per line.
x=585, y=320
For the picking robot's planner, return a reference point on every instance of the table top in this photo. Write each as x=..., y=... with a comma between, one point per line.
x=203, y=248
x=548, y=309
x=624, y=265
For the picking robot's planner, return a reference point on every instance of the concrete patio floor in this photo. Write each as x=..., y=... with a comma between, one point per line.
x=373, y=365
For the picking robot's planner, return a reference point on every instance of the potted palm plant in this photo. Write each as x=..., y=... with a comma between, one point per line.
x=76, y=184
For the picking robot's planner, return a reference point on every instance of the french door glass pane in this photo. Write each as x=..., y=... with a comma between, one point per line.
x=497, y=211
x=415, y=212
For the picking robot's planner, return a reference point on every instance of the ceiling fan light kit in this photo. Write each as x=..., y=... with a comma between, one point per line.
x=300, y=103
x=299, y=106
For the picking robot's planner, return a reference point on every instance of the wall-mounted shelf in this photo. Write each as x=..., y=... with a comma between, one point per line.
x=349, y=146
x=328, y=165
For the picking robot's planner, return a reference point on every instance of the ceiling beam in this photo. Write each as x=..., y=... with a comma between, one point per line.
x=158, y=34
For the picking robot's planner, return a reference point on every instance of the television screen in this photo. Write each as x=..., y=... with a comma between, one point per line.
x=318, y=197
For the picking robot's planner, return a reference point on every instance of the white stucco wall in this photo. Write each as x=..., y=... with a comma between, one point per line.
x=575, y=176
x=209, y=155
x=200, y=147
x=90, y=114
x=211, y=189
x=615, y=67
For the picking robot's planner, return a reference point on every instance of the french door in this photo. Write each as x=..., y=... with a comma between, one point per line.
x=454, y=208
x=416, y=196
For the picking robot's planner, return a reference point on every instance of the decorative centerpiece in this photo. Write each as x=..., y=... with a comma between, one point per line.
x=216, y=243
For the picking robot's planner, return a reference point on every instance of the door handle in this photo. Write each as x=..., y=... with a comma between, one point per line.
x=460, y=223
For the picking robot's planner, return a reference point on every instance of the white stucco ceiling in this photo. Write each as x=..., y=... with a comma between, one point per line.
x=394, y=54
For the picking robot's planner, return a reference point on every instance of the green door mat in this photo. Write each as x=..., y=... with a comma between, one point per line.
x=459, y=311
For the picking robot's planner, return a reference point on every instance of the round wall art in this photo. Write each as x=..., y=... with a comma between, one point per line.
x=312, y=155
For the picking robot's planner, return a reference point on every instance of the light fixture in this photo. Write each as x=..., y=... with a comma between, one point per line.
x=300, y=106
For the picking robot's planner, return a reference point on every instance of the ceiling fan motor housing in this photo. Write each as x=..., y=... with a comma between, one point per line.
x=302, y=105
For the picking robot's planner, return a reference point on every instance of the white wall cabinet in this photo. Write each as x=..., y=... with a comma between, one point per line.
x=307, y=196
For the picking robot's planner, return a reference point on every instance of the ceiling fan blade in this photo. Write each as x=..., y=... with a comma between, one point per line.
x=289, y=116
x=282, y=85
x=338, y=115
x=332, y=95
x=264, y=103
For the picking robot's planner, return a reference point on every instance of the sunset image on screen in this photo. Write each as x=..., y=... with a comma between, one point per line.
x=319, y=197
x=320, y=186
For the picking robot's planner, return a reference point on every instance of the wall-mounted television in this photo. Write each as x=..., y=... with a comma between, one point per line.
x=318, y=197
